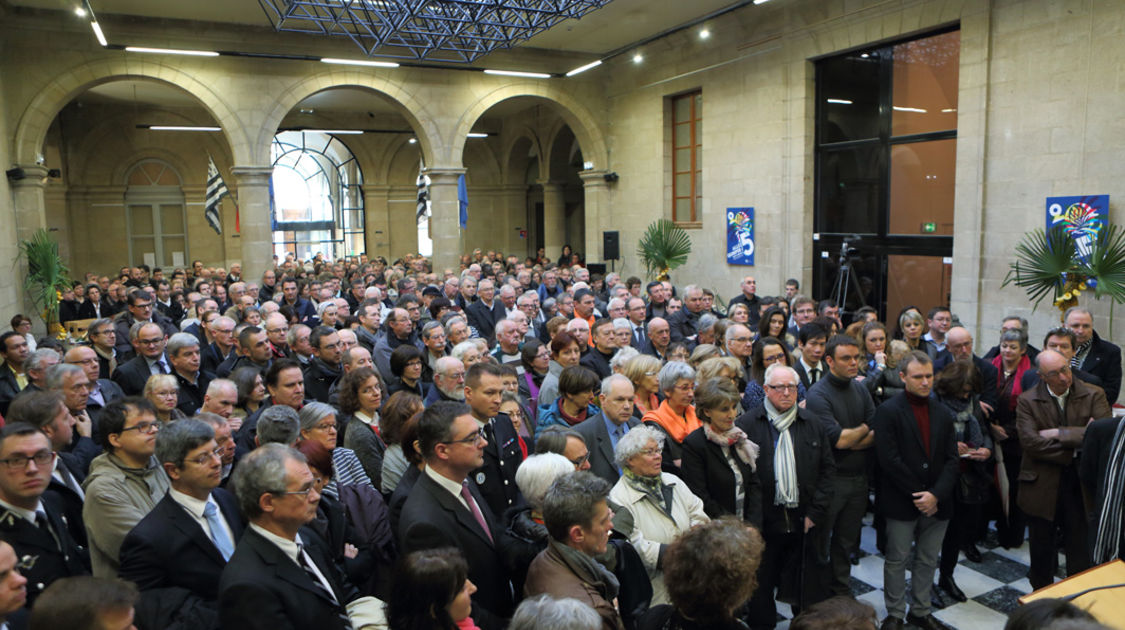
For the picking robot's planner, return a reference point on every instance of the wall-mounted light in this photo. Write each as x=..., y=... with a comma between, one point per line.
x=704, y=34
x=581, y=69
x=638, y=57
x=516, y=73
x=413, y=141
x=172, y=51
x=589, y=166
x=80, y=12
x=838, y=101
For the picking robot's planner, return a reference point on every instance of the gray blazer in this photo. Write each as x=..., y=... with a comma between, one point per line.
x=594, y=431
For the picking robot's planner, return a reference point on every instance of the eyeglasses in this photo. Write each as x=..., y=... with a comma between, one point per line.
x=151, y=342
x=472, y=439
x=273, y=331
x=783, y=388
x=581, y=460
x=216, y=453
x=19, y=462
x=143, y=427
x=649, y=452
x=327, y=426
x=303, y=493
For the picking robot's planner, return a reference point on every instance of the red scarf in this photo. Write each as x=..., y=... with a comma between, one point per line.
x=1017, y=378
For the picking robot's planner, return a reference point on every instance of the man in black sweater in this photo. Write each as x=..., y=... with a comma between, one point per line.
x=846, y=410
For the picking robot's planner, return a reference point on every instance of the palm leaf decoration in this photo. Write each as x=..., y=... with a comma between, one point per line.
x=663, y=247
x=1107, y=264
x=46, y=274
x=1043, y=258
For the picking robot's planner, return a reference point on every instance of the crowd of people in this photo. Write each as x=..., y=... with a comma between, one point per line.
x=524, y=444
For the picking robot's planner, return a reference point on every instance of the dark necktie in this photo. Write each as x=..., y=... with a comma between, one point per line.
x=42, y=523
x=307, y=564
x=640, y=336
x=814, y=374
x=475, y=509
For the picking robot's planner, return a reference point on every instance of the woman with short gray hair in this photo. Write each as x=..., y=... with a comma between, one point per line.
x=546, y=613
x=676, y=415
x=655, y=506
x=318, y=422
x=527, y=534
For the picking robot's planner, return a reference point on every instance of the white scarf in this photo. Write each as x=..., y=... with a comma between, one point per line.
x=784, y=463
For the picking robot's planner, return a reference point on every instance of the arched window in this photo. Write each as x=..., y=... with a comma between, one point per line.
x=154, y=215
x=317, y=196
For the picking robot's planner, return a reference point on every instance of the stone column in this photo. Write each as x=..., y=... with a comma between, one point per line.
x=554, y=217
x=377, y=220
x=444, y=225
x=597, y=210
x=254, y=206
x=29, y=200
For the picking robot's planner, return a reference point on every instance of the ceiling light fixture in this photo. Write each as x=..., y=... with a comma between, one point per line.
x=172, y=51
x=637, y=58
x=704, y=34
x=80, y=12
x=98, y=33
x=839, y=101
x=360, y=62
x=515, y=73
x=761, y=1
x=478, y=135
x=915, y=110
x=336, y=132
x=179, y=128
x=413, y=141
x=581, y=69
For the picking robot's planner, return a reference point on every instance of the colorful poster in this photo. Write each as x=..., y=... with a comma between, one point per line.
x=740, y=236
x=1083, y=217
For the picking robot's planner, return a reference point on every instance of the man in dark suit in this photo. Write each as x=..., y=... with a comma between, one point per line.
x=47, y=412
x=496, y=477
x=810, y=368
x=1065, y=342
x=139, y=309
x=31, y=520
x=659, y=338
x=917, y=452
x=605, y=345
x=13, y=379
x=148, y=339
x=183, y=356
x=184, y=543
x=602, y=431
x=324, y=368
x=102, y=390
x=276, y=579
x=486, y=311
x=445, y=508
x=306, y=314
x=1094, y=354
x=1051, y=422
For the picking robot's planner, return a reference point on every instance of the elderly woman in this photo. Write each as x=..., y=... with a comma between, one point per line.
x=399, y=408
x=711, y=571
x=623, y=355
x=719, y=461
x=656, y=507
x=565, y=352
x=327, y=312
x=726, y=368
x=675, y=417
x=163, y=391
x=361, y=396
x=526, y=531
x=643, y=372
x=468, y=353
x=318, y=422
x=578, y=388
x=766, y=352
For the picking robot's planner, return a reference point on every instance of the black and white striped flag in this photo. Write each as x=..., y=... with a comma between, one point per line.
x=216, y=190
x=423, y=196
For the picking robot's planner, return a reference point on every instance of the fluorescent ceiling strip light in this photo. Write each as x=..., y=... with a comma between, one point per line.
x=478, y=135
x=514, y=73
x=840, y=101
x=909, y=109
x=98, y=33
x=182, y=128
x=172, y=51
x=581, y=69
x=338, y=132
x=360, y=62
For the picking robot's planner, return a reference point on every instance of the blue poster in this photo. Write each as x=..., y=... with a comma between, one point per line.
x=1083, y=217
x=740, y=236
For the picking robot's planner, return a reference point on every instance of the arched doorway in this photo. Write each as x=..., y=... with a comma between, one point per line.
x=156, y=224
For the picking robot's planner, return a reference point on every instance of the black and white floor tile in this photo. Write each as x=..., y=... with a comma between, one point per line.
x=992, y=586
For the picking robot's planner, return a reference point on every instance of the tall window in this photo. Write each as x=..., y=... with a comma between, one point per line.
x=154, y=208
x=317, y=196
x=885, y=171
x=687, y=158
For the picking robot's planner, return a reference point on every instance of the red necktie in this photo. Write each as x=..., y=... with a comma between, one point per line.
x=468, y=496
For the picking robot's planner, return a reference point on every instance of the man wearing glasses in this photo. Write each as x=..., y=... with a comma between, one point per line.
x=103, y=339
x=125, y=482
x=446, y=509
x=148, y=339
x=140, y=307
x=186, y=540
x=29, y=521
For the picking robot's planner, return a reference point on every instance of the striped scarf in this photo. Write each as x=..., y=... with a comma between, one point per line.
x=1108, y=539
x=784, y=462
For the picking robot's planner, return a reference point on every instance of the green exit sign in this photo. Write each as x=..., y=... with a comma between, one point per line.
x=929, y=228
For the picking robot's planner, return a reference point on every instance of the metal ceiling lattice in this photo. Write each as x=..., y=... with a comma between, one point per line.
x=435, y=30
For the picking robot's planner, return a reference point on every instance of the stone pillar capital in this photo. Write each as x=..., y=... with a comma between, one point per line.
x=444, y=174
x=593, y=178
x=33, y=176
x=252, y=175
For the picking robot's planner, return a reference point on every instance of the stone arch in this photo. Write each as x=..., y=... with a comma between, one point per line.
x=562, y=140
x=576, y=115
x=31, y=131
x=516, y=160
x=428, y=134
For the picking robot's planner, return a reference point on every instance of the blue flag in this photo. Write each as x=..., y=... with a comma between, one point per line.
x=463, y=201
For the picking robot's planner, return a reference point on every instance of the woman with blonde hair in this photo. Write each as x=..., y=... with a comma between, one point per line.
x=163, y=392
x=643, y=371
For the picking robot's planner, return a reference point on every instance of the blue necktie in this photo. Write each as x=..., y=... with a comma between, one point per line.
x=218, y=530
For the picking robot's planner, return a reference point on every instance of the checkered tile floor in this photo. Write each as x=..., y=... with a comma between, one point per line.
x=992, y=585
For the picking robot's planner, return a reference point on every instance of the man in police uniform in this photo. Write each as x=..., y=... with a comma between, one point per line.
x=497, y=477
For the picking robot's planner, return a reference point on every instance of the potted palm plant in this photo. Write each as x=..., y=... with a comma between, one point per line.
x=1048, y=263
x=663, y=247
x=47, y=277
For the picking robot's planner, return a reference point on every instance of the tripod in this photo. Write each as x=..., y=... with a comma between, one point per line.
x=846, y=282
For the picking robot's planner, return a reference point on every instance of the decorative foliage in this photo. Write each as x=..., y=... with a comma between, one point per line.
x=1048, y=262
x=663, y=247
x=46, y=276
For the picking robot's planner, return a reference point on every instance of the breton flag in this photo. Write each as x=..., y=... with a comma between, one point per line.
x=423, y=196
x=216, y=190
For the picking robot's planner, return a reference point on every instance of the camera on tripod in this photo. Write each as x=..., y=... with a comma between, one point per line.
x=847, y=285
x=848, y=249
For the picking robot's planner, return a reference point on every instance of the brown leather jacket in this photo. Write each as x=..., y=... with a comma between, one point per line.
x=1044, y=459
x=550, y=573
